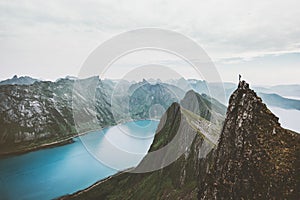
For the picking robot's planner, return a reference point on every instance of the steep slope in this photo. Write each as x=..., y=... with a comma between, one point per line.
x=204, y=106
x=31, y=115
x=255, y=158
x=179, y=180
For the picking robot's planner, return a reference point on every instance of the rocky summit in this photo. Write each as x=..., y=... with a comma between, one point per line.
x=254, y=158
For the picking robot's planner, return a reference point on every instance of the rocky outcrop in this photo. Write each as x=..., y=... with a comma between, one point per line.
x=255, y=158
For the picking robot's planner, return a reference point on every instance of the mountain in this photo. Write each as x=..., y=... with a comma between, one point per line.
x=204, y=106
x=287, y=90
x=15, y=80
x=272, y=96
x=48, y=112
x=32, y=115
x=179, y=180
x=272, y=99
x=255, y=158
x=279, y=101
x=143, y=100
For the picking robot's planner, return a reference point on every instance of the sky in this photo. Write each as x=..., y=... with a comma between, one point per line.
x=259, y=39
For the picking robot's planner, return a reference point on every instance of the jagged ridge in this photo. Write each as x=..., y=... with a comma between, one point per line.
x=255, y=158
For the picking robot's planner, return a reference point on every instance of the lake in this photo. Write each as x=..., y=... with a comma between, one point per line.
x=50, y=173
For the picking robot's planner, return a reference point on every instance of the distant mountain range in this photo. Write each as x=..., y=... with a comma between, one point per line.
x=222, y=92
x=15, y=80
x=254, y=158
x=40, y=113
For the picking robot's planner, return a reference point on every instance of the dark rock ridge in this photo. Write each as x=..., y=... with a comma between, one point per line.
x=255, y=159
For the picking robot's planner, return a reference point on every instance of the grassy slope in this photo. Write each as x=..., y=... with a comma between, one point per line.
x=162, y=184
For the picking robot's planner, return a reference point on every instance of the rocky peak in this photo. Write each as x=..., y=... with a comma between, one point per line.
x=247, y=107
x=255, y=158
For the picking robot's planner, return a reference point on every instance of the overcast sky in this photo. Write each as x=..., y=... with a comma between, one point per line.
x=51, y=39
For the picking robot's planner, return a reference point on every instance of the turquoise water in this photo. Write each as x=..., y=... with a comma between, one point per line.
x=50, y=173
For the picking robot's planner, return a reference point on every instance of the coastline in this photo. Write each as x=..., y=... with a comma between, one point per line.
x=79, y=192
x=36, y=148
x=58, y=143
x=48, y=145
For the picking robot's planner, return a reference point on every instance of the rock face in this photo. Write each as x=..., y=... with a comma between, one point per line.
x=42, y=112
x=255, y=158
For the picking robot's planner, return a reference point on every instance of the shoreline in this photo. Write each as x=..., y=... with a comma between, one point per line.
x=63, y=142
x=36, y=148
x=48, y=145
x=79, y=192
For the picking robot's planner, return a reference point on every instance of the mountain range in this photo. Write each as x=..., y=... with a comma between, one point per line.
x=254, y=157
x=35, y=113
x=272, y=96
x=15, y=80
x=41, y=113
x=234, y=152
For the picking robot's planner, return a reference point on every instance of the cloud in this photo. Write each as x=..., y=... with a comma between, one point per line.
x=224, y=27
x=67, y=31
